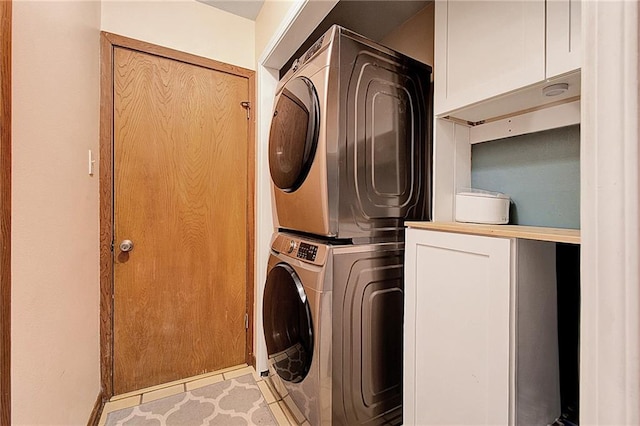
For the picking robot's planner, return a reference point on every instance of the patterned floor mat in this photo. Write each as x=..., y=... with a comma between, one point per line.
x=232, y=402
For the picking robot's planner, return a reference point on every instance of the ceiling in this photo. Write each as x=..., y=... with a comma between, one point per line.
x=246, y=8
x=373, y=18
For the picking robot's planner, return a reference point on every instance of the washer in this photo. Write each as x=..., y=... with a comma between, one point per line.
x=349, y=146
x=333, y=327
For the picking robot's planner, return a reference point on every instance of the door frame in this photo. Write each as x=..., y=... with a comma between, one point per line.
x=5, y=212
x=108, y=42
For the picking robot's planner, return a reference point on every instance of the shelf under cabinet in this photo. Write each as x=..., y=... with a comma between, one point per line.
x=557, y=235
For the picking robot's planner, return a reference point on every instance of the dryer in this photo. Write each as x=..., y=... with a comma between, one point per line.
x=333, y=327
x=349, y=146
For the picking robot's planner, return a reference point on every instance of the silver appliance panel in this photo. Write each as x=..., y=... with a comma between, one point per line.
x=372, y=166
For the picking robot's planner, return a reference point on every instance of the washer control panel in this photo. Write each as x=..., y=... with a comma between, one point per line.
x=304, y=250
x=307, y=252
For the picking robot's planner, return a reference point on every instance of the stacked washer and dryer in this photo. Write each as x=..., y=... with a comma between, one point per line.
x=350, y=154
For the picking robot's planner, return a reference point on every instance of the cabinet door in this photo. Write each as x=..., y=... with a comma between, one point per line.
x=486, y=48
x=563, y=36
x=457, y=299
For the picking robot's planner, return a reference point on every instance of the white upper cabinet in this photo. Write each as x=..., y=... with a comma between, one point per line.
x=484, y=48
x=563, y=36
x=488, y=48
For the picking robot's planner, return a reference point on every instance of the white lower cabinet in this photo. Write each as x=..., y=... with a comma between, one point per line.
x=480, y=338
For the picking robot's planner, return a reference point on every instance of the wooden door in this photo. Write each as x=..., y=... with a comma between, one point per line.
x=6, y=8
x=180, y=195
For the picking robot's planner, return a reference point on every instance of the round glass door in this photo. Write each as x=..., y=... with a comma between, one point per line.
x=287, y=324
x=294, y=134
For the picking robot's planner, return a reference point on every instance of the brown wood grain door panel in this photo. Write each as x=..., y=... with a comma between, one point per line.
x=6, y=8
x=180, y=194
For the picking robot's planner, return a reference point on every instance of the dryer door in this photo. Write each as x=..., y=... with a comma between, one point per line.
x=294, y=134
x=287, y=321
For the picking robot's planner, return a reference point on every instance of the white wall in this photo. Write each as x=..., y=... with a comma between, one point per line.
x=185, y=25
x=268, y=22
x=610, y=207
x=55, y=230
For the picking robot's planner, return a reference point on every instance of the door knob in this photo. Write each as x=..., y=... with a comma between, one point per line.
x=126, y=245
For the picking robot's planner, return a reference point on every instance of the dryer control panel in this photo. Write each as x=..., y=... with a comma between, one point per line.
x=306, y=251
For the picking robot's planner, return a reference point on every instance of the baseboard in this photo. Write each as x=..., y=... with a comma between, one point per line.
x=253, y=361
x=97, y=410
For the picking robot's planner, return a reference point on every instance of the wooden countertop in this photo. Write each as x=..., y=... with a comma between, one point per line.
x=558, y=235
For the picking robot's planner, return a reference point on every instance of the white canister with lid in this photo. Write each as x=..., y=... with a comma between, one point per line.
x=479, y=206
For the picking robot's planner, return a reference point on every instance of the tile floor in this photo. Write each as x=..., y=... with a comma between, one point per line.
x=278, y=408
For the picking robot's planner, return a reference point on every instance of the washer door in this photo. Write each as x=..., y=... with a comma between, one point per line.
x=294, y=134
x=287, y=324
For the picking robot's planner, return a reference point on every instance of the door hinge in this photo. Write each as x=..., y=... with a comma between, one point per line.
x=111, y=245
x=246, y=321
x=246, y=105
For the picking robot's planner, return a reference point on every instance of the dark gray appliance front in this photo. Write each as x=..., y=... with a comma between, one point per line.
x=385, y=163
x=368, y=296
